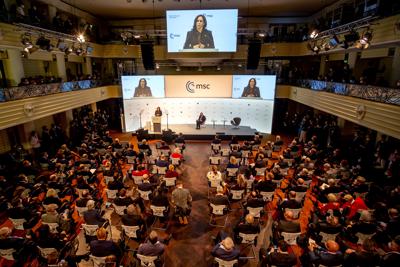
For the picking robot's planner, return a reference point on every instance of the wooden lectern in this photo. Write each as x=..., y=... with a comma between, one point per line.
x=156, y=124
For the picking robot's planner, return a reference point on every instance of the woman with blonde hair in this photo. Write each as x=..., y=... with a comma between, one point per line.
x=233, y=163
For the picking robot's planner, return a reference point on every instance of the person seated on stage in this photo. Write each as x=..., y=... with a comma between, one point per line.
x=278, y=255
x=158, y=112
x=214, y=174
x=162, y=161
x=102, y=247
x=225, y=250
x=246, y=227
x=233, y=163
x=201, y=120
x=171, y=173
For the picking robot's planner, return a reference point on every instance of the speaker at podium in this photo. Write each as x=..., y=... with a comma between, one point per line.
x=156, y=124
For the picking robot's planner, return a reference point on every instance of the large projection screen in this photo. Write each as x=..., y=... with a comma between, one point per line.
x=219, y=98
x=218, y=32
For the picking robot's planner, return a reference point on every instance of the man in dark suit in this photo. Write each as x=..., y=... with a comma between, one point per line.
x=329, y=256
x=200, y=120
x=152, y=247
x=246, y=227
x=225, y=250
x=288, y=224
x=93, y=216
x=220, y=198
x=102, y=247
x=131, y=218
x=278, y=256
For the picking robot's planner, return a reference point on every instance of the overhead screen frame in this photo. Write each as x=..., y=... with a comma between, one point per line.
x=222, y=25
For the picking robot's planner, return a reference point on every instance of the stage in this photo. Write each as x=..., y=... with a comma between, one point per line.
x=207, y=132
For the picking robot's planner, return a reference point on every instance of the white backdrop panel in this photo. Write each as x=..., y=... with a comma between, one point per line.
x=253, y=112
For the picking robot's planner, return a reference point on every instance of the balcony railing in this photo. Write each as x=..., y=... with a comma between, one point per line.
x=369, y=92
x=21, y=92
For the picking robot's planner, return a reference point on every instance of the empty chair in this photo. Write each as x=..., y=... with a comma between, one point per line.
x=131, y=231
x=81, y=210
x=236, y=122
x=232, y=172
x=250, y=240
x=223, y=263
x=7, y=254
x=216, y=147
x=138, y=179
x=218, y=210
x=215, y=160
x=18, y=223
x=159, y=213
x=261, y=171
x=149, y=261
x=267, y=196
x=120, y=210
x=98, y=261
x=290, y=238
x=130, y=159
x=46, y=252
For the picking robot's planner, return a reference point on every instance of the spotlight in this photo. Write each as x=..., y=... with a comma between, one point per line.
x=157, y=66
x=80, y=38
x=178, y=68
x=218, y=67
x=26, y=39
x=314, y=34
x=68, y=50
x=200, y=68
x=314, y=47
x=79, y=50
x=365, y=40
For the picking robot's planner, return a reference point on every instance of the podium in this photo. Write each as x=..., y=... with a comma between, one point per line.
x=156, y=124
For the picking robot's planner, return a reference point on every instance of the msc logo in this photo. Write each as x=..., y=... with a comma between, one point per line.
x=172, y=36
x=191, y=87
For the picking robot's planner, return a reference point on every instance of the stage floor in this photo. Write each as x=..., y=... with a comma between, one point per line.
x=209, y=130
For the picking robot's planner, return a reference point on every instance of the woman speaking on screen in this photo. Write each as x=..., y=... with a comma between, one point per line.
x=199, y=36
x=251, y=90
x=142, y=90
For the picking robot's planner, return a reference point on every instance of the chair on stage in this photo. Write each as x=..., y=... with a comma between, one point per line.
x=236, y=122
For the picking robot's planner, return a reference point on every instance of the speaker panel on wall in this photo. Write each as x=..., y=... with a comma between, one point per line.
x=253, y=54
x=147, y=48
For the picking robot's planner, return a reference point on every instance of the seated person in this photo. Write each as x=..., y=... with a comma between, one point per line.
x=240, y=183
x=235, y=153
x=143, y=146
x=290, y=202
x=246, y=227
x=225, y=250
x=146, y=185
x=331, y=225
x=365, y=224
x=171, y=172
x=254, y=200
x=278, y=256
x=328, y=256
x=162, y=161
x=233, y=163
x=177, y=154
x=82, y=201
x=332, y=204
x=390, y=258
x=352, y=206
x=152, y=247
x=93, y=216
x=122, y=199
x=201, y=120
x=9, y=242
x=220, y=198
x=214, y=174
x=51, y=215
x=140, y=171
x=132, y=218
x=288, y=224
x=365, y=256
x=102, y=247
x=180, y=140
x=299, y=186
x=265, y=184
x=216, y=140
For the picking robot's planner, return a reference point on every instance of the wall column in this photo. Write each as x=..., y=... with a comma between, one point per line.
x=93, y=106
x=322, y=65
x=87, y=66
x=52, y=12
x=60, y=61
x=13, y=67
x=352, y=59
x=395, y=75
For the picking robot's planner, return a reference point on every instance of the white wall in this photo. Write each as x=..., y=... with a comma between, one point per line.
x=253, y=112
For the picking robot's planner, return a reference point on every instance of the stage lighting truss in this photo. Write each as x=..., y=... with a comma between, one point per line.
x=365, y=40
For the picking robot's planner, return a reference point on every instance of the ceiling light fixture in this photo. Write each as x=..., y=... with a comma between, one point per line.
x=314, y=34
